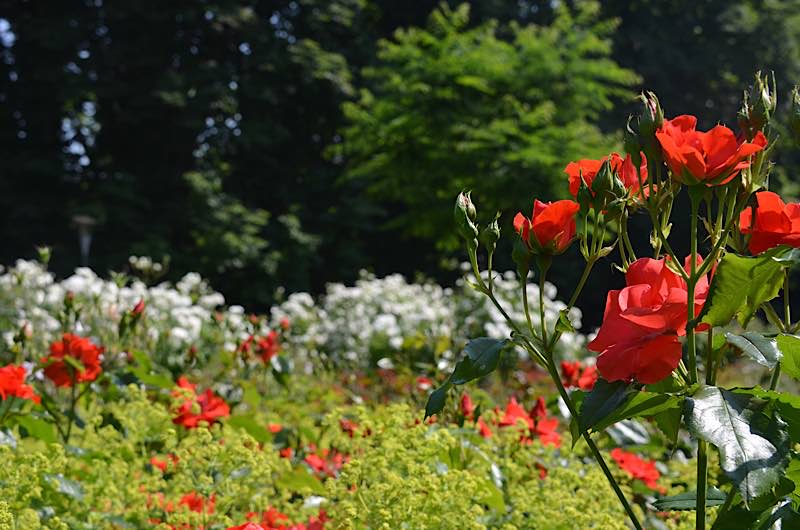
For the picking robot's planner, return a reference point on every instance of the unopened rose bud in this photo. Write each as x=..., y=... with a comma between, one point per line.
x=465, y=214
x=138, y=309
x=758, y=105
x=490, y=235
x=284, y=323
x=633, y=146
x=651, y=117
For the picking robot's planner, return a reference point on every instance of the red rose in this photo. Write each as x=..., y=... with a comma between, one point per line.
x=551, y=228
x=775, y=223
x=713, y=157
x=247, y=526
x=642, y=322
x=536, y=421
x=467, y=406
x=79, y=349
x=207, y=407
x=637, y=468
x=12, y=384
x=588, y=378
x=624, y=168
x=574, y=375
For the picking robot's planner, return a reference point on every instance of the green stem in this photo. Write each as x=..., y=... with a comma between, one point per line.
x=711, y=369
x=702, y=484
x=524, y=285
x=773, y=317
x=691, y=342
x=542, y=322
x=592, y=447
x=728, y=502
x=787, y=324
x=56, y=420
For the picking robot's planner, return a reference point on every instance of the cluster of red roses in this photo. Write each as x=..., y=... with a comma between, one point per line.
x=642, y=323
x=73, y=360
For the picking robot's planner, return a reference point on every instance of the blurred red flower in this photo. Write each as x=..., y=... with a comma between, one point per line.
x=637, y=468
x=69, y=353
x=12, y=384
x=207, y=407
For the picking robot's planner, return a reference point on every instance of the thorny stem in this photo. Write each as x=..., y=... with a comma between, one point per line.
x=542, y=323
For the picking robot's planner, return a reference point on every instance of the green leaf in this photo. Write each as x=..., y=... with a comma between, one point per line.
x=299, y=480
x=669, y=421
x=483, y=354
x=437, y=400
x=790, y=348
x=602, y=401
x=491, y=496
x=788, y=406
x=761, y=349
x=641, y=405
x=688, y=500
x=754, y=448
x=564, y=324
x=740, y=285
x=251, y=426
x=38, y=428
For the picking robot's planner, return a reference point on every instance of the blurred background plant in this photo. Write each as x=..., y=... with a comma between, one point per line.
x=278, y=147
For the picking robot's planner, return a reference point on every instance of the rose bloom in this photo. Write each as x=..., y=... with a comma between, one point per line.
x=12, y=384
x=713, y=157
x=551, y=227
x=78, y=348
x=636, y=467
x=207, y=407
x=268, y=346
x=775, y=223
x=587, y=170
x=642, y=322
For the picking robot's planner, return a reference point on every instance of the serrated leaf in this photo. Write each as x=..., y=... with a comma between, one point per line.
x=436, y=400
x=761, y=349
x=790, y=348
x=602, y=401
x=753, y=448
x=669, y=422
x=641, y=405
x=688, y=500
x=740, y=285
x=483, y=354
x=788, y=406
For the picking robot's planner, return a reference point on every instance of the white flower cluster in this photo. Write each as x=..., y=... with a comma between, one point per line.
x=177, y=317
x=389, y=321
x=377, y=322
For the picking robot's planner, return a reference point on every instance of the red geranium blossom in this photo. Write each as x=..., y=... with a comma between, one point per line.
x=326, y=463
x=551, y=227
x=713, y=157
x=207, y=407
x=12, y=384
x=268, y=346
x=535, y=421
x=80, y=349
x=587, y=170
x=197, y=503
x=637, y=468
x=574, y=375
x=642, y=322
x=775, y=223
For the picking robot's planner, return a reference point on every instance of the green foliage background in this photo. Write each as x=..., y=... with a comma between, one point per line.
x=287, y=144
